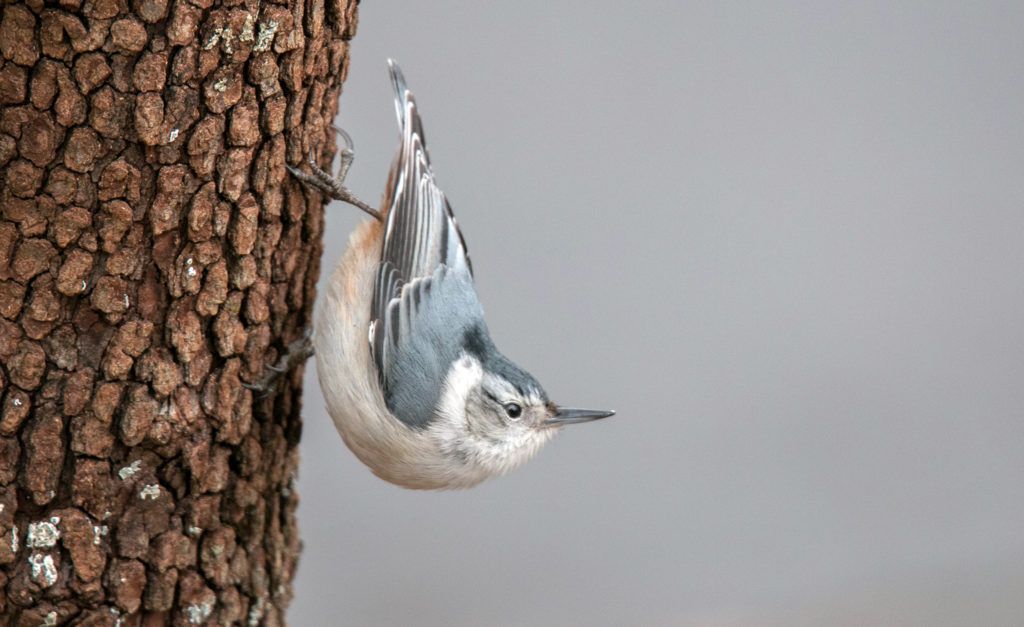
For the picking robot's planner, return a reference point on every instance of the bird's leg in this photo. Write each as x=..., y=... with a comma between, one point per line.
x=334, y=186
x=298, y=351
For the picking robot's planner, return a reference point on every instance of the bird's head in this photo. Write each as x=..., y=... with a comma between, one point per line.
x=495, y=415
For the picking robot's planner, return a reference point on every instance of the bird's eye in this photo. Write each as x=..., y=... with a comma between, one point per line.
x=514, y=410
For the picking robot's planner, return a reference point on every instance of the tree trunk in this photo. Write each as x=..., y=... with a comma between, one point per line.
x=154, y=255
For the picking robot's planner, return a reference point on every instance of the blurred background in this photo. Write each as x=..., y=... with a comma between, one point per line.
x=784, y=240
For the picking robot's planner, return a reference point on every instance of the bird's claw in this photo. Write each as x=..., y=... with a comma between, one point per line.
x=298, y=352
x=334, y=186
x=345, y=137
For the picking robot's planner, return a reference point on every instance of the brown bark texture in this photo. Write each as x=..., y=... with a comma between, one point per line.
x=154, y=255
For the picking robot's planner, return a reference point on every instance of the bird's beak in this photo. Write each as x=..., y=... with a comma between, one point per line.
x=566, y=416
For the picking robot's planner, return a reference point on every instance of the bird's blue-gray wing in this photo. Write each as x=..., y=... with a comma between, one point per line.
x=424, y=331
x=424, y=283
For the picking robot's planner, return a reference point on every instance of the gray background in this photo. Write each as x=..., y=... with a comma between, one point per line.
x=784, y=241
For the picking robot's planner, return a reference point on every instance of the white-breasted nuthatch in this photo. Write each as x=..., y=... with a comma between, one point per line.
x=414, y=384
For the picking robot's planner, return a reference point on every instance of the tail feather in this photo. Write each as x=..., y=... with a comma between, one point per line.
x=402, y=94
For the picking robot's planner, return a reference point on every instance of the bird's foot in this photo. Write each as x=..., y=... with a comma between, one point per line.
x=298, y=351
x=334, y=186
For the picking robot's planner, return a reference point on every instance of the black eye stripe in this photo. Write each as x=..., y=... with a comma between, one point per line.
x=513, y=409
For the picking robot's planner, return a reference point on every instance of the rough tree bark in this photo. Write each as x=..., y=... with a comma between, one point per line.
x=154, y=255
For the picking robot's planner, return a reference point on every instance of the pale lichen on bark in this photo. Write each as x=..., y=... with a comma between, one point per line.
x=154, y=255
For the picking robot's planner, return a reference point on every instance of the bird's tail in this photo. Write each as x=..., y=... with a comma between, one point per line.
x=405, y=104
x=402, y=93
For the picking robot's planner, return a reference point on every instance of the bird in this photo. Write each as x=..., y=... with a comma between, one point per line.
x=410, y=375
